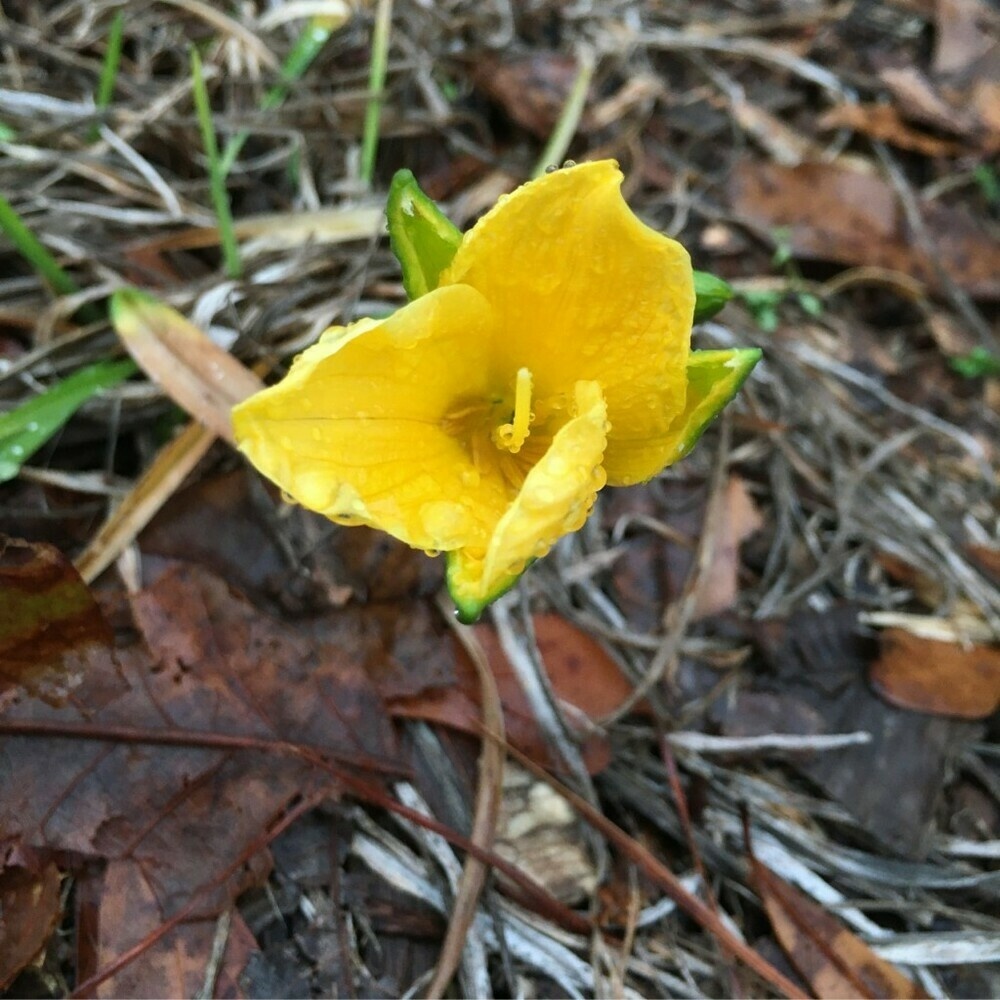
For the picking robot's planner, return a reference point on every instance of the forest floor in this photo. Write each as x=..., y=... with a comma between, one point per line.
x=241, y=748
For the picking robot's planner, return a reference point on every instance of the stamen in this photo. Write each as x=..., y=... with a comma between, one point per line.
x=511, y=436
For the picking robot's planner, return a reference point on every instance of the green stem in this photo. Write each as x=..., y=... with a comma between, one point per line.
x=376, y=87
x=31, y=249
x=307, y=47
x=216, y=176
x=562, y=134
x=109, y=70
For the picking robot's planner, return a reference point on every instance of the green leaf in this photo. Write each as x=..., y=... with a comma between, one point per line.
x=711, y=294
x=422, y=237
x=714, y=377
x=978, y=363
x=25, y=429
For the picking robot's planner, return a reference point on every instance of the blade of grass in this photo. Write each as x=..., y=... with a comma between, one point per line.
x=562, y=134
x=26, y=428
x=307, y=47
x=376, y=86
x=109, y=70
x=216, y=176
x=30, y=248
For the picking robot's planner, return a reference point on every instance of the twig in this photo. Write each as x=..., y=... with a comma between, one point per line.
x=484, y=821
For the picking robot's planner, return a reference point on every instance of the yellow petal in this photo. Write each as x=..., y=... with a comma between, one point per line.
x=554, y=500
x=582, y=290
x=355, y=430
x=713, y=378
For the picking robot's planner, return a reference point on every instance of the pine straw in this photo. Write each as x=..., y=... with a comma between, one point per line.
x=846, y=468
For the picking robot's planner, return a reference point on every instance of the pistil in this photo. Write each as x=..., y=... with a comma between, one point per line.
x=511, y=436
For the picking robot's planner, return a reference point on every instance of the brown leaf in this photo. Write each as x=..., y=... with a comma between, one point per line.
x=244, y=533
x=883, y=121
x=208, y=665
x=987, y=559
x=943, y=678
x=919, y=99
x=582, y=674
x=30, y=909
x=835, y=962
x=118, y=909
x=739, y=519
x=821, y=660
x=653, y=571
x=196, y=373
x=844, y=215
x=966, y=32
x=51, y=629
x=532, y=90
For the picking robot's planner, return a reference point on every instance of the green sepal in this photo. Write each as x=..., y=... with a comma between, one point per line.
x=710, y=295
x=422, y=237
x=26, y=428
x=469, y=607
x=714, y=377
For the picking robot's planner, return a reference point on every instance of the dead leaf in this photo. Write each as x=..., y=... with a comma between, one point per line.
x=835, y=962
x=199, y=376
x=883, y=121
x=987, y=559
x=51, y=629
x=532, y=90
x=966, y=31
x=582, y=675
x=240, y=529
x=207, y=664
x=652, y=572
x=117, y=910
x=30, y=908
x=943, y=678
x=739, y=519
x=821, y=660
x=843, y=215
x=920, y=100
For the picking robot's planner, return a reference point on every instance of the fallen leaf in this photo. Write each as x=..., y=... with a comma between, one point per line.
x=835, y=962
x=739, y=519
x=653, y=570
x=987, y=559
x=919, y=99
x=195, y=373
x=943, y=678
x=532, y=90
x=30, y=908
x=241, y=530
x=51, y=628
x=883, y=121
x=115, y=907
x=151, y=788
x=965, y=32
x=837, y=214
x=821, y=660
x=582, y=675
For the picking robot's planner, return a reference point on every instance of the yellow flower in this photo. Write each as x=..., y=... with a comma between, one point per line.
x=481, y=419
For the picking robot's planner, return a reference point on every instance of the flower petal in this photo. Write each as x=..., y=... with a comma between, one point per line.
x=582, y=290
x=713, y=377
x=554, y=500
x=355, y=430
